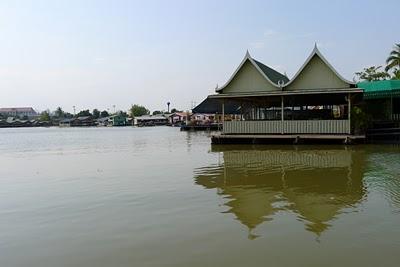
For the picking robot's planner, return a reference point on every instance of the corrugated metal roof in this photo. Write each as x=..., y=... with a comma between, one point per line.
x=213, y=106
x=380, y=89
x=272, y=74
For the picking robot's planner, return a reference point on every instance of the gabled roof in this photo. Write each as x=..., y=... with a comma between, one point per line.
x=271, y=75
x=316, y=52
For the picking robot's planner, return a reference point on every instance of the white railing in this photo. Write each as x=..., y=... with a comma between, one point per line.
x=396, y=117
x=287, y=127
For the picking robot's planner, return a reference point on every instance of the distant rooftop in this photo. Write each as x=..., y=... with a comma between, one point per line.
x=17, y=109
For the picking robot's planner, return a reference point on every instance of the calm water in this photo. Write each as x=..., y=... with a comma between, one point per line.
x=161, y=197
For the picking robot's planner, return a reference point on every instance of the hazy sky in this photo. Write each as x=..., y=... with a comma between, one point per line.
x=104, y=53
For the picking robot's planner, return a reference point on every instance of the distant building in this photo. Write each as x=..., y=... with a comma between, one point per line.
x=118, y=120
x=151, y=120
x=179, y=118
x=84, y=121
x=18, y=112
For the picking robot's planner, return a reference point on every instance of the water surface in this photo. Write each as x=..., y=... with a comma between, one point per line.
x=160, y=197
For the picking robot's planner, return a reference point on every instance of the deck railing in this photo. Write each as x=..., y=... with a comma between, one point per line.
x=287, y=127
x=396, y=117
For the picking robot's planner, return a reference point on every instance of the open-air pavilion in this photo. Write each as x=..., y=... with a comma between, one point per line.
x=314, y=104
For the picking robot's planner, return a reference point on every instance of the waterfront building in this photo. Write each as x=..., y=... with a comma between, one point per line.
x=314, y=104
x=118, y=119
x=151, y=120
x=18, y=112
x=83, y=121
x=382, y=99
x=179, y=118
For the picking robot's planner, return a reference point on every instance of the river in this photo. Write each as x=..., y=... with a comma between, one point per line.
x=160, y=197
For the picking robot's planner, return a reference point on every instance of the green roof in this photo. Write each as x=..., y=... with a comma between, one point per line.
x=380, y=89
x=272, y=74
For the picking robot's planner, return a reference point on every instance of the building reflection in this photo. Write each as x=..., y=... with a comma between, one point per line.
x=316, y=184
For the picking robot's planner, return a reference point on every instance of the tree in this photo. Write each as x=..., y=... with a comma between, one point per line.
x=104, y=114
x=59, y=113
x=84, y=113
x=96, y=113
x=393, y=61
x=372, y=74
x=174, y=110
x=122, y=113
x=68, y=115
x=137, y=110
x=45, y=116
x=396, y=74
x=157, y=112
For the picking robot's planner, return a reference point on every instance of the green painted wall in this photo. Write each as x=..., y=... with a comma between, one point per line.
x=317, y=75
x=248, y=79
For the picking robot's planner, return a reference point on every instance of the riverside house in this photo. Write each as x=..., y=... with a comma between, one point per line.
x=313, y=105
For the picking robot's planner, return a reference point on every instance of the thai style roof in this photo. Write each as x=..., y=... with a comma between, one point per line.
x=280, y=82
x=271, y=75
x=316, y=52
x=380, y=89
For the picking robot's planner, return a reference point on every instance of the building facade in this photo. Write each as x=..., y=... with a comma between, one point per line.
x=317, y=100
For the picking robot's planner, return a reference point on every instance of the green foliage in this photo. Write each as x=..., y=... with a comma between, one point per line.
x=393, y=61
x=396, y=74
x=372, y=74
x=156, y=112
x=59, y=113
x=96, y=113
x=137, y=110
x=84, y=113
x=68, y=115
x=174, y=110
x=122, y=113
x=104, y=114
x=45, y=116
x=359, y=119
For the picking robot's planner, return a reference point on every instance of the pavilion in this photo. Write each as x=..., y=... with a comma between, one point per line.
x=314, y=104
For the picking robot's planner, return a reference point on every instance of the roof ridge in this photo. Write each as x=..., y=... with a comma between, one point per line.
x=270, y=69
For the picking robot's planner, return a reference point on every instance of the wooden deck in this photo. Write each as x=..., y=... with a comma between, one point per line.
x=220, y=138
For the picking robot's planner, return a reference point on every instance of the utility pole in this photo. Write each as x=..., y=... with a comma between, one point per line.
x=168, y=103
x=74, y=109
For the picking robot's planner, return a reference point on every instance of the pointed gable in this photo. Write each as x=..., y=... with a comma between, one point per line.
x=248, y=79
x=317, y=73
x=253, y=76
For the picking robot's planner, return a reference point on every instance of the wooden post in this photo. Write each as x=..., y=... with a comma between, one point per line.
x=349, y=113
x=282, y=115
x=391, y=107
x=223, y=114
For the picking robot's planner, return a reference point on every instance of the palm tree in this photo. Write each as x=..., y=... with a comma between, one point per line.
x=393, y=61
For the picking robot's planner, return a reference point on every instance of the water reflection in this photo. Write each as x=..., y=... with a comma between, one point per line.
x=316, y=184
